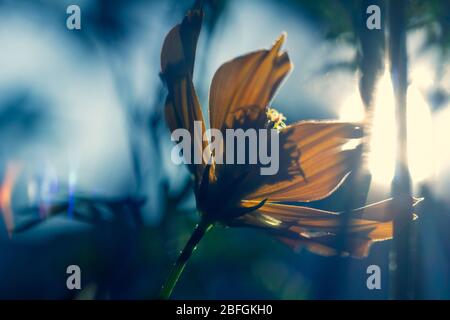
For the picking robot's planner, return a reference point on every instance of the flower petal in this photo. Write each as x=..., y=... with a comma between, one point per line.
x=318, y=229
x=309, y=221
x=323, y=162
x=247, y=81
x=182, y=107
x=180, y=44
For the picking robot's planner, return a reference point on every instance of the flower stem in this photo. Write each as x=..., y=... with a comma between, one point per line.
x=183, y=258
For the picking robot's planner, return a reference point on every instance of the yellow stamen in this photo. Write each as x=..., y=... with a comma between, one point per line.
x=276, y=118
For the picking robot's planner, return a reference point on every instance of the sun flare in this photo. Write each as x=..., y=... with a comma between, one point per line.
x=383, y=134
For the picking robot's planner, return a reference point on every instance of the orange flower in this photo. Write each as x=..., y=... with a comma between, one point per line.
x=313, y=159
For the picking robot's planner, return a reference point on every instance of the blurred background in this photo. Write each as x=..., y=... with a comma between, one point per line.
x=82, y=127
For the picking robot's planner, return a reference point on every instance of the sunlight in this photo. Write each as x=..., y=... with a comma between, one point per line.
x=420, y=140
x=441, y=130
x=382, y=144
x=352, y=109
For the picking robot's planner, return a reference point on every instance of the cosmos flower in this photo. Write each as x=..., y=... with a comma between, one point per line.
x=314, y=159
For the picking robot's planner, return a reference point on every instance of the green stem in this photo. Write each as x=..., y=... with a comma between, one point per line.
x=183, y=258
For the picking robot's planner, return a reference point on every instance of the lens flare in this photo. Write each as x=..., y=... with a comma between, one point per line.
x=6, y=191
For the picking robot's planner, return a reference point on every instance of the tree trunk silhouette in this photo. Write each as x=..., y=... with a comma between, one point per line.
x=401, y=185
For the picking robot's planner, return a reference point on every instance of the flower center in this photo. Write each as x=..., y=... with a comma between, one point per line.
x=276, y=118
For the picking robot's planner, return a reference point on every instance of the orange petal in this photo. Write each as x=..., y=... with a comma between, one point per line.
x=177, y=64
x=304, y=220
x=289, y=213
x=180, y=44
x=247, y=81
x=324, y=163
x=318, y=229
